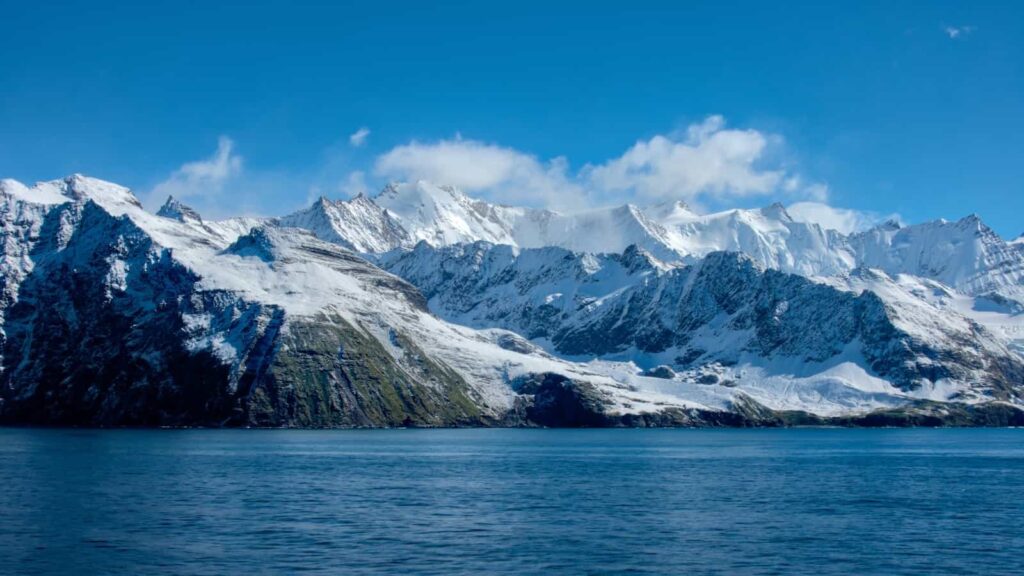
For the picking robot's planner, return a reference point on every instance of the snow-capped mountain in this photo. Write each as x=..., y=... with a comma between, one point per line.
x=723, y=317
x=404, y=214
x=965, y=255
x=113, y=315
x=491, y=314
x=359, y=224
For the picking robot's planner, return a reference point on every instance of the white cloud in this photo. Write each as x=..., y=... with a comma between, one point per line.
x=818, y=192
x=709, y=161
x=498, y=173
x=795, y=187
x=202, y=177
x=704, y=161
x=841, y=219
x=955, y=32
x=358, y=138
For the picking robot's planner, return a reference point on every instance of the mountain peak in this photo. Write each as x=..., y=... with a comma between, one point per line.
x=389, y=189
x=635, y=259
x=972, y=220
x=671, y=212
x=106, y=194
x=419, y=191
x=777, y=211
x=176, y=210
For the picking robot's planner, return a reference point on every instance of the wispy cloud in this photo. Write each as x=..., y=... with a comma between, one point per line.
x=707, y=160
x=354, y=183
x=958, y=32
x=202, y=177
x=358, y=138
x=844, y=220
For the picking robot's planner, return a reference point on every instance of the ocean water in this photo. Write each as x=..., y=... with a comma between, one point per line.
x=801, y=501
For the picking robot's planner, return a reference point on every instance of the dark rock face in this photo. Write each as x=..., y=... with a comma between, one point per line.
x=661, y=371
x=554, y=401
x=174, y=209
x=560, y=402
x=924, y=413
x=78, y=352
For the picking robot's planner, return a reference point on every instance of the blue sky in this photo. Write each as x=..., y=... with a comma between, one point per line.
x=915, y=109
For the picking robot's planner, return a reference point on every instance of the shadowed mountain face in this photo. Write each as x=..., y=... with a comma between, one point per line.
x=720, y=310
x=114, y=316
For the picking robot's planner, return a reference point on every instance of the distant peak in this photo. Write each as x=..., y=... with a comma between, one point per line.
x=419, y=189
x=672, y=211
x=176, y=210
x=362, y=198
x=321, y=204
x=777, y=211
x=79, y=186
x=389, y=190
x=452, y=190
x=973, y=223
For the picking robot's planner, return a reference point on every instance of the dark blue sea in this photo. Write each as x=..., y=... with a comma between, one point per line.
x=801, y=501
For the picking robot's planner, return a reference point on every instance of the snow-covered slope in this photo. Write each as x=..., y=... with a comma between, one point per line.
x=768, y=235
x=442, y=215
x=119, y=316
x=779, y=337
x=529, y=291
x=404, y=214
x=358, y=224
x=966, y=255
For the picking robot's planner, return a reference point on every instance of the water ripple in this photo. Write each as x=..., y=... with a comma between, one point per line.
x=818, y=502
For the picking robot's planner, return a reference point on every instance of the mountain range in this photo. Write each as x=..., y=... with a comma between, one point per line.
x=422, y=306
